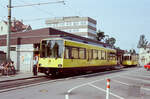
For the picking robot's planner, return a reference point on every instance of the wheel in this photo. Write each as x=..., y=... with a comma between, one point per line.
x=47, y=73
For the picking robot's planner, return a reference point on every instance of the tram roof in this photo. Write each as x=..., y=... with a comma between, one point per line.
x=35, y=36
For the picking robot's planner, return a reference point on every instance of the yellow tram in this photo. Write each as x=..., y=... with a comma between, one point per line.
x=130, y=59
x=60, y=55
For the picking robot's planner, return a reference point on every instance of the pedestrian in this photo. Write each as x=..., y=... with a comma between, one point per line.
x=13, y=71
x=2, y=67
x=35, y=63
x=7, y=68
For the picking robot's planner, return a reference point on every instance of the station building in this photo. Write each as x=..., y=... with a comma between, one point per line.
x=24, y=45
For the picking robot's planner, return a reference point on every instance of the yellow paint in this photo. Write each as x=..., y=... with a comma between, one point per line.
x=129, y=63
x=70, y=63
x=50, y=62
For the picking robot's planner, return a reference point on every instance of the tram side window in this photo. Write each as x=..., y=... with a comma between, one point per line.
x=95, y=54
x=133, y=57
x=99, y=55
x=108, y=56
x=75, y=53
x=82, y=54
x=103, y=55
x=112, y=56
x=126, y=57
x=90, y=54
x=67, y=52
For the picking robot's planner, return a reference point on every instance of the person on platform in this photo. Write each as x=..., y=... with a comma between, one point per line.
x=35, y=63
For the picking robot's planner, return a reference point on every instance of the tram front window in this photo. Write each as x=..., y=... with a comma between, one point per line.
x=52, y=48
x=126, y=57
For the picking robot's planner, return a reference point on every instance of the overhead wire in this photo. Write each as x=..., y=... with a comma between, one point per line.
x=39, y=4
x=67, y=5
x=73, y=10
x=49, y=13
x=39, y=9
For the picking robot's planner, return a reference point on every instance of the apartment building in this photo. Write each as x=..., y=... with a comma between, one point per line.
x=82, y=26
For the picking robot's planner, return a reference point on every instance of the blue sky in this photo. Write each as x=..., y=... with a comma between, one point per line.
x=125, y=20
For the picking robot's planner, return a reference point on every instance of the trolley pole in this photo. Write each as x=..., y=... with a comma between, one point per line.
x=9, y=31
x=108, y=87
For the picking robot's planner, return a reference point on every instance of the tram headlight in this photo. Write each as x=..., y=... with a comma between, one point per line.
x=60, y=65
x=40, y=65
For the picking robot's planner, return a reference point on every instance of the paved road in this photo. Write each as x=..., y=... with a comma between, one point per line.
x=129, y=83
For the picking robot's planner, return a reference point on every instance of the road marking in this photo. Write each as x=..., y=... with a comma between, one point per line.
x=68, y=92
x=146, y=76
x=121, y=82
x=136, y=79
x=105, y=91
x=145, y=89
x=85, y=84
x=67, y=96
x=129, y=85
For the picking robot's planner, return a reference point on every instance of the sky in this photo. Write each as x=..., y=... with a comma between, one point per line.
x=124, y=20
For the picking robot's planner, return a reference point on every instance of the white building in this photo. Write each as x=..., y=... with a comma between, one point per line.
x=82, y=26
x=144, y=55
x=3, y=28
x=16, y=26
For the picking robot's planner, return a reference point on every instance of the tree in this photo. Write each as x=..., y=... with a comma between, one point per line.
x=132, y=51
x=100, y=35
x=142, y=42
x=110, y=41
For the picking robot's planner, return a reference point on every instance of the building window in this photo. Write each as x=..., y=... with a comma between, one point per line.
x=75, y=23
x=83, y=23
x=1, y=28
x=12, y=48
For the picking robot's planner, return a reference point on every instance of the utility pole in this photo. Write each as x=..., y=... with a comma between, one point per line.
x=9, y=21
x=9, y=31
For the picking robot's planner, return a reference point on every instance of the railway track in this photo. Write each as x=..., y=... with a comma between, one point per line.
x=28, y=82
x=21, y=82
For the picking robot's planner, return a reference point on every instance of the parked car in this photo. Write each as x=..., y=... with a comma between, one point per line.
x=147, y=66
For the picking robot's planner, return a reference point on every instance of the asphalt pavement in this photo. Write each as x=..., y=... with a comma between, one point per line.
x=128, y=83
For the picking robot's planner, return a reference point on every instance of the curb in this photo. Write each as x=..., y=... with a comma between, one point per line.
x=22, y=78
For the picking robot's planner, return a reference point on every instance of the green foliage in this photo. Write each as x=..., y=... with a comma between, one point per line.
x=100, y=35
x=132, y=51
x=142, y=42
x=111, y=41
